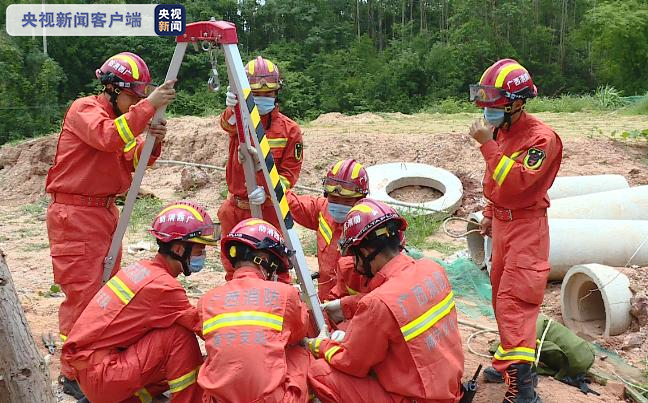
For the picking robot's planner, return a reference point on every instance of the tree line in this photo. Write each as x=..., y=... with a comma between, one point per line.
x=349, y=56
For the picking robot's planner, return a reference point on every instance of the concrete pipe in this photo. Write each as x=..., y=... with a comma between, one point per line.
x=479, y=247
x=573, y=242
x=385, y=178
x=595, y=300
x=622, y=204
x=569, y=186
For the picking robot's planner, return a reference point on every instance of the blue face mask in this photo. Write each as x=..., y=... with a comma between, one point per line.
x=196, y=263
x=338, y=212
x=494, y=116
x=265, y=104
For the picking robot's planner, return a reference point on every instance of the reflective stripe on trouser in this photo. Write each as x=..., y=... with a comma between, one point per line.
x=79, y=239
x=519, y=274
x=229, y=215
x=168, y=356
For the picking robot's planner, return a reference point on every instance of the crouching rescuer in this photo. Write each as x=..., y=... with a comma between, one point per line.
x=404, y=332
x=522, y=157
x=252, y=325
x=136, y=338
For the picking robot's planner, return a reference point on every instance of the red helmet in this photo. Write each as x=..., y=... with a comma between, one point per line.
x=364, y=218
x=347, y=178
x=127, y=71
x=263, y=75
x=185, y=221
x=502, y=83
x=258, y=235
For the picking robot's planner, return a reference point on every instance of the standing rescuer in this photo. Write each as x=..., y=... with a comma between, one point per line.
x=522, y=157
x=285, y=140
x=97, y=152
x=252, y=326
x=344, y=185
x=136, y=338
x=403, y=343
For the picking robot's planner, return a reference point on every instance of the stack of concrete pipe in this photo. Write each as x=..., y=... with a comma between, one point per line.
x=594, y=222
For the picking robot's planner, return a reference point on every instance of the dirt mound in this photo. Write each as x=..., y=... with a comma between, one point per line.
x=23, y=168
x=334, y=118
x=371, y=139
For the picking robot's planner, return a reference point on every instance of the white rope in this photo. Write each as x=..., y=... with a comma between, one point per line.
x=544, y=334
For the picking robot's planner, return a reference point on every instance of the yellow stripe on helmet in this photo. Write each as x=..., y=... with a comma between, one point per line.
x=499, y=82
x=356, y=170
x=363, y=208
x=336, y=167
x=132, y=63
x=271, y=66
x=190, y=209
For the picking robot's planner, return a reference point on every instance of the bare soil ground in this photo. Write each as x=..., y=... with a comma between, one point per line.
x=440, y=140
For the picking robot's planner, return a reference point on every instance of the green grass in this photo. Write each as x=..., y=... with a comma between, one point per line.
x=33, y=247
x=451, y=105
x=309, y=243
x=420, y=228
x=639, y=107
x=27, y=233
x=144, y=213
x=605, y=98
x=36, y=209
x=445, y=248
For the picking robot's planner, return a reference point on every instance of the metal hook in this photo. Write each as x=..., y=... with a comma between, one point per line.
x=213, y=83
x=206, y=46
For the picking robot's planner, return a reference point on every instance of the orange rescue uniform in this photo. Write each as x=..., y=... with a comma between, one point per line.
x=405, y=332
x=251, y=328
x=312, y=213
x=95, y=157
x=136, y=338
x=285, y=140
x=521, y=165
x=350, y=286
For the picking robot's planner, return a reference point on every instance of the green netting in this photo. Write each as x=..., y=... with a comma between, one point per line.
x=470, y=284
x=471, y=287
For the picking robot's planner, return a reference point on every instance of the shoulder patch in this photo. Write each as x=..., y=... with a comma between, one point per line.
x=299, y=151
x=534, y=158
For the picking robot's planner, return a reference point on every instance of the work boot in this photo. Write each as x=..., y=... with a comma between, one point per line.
x=521, y=381
x=491, y=375
x=71, y=387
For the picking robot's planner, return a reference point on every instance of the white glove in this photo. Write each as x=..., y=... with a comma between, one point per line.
x=334, y=310
x=258, y=196
x=253, y=153
x=338, y=335
x=230, y=98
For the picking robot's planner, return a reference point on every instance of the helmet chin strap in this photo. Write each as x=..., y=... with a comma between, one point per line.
x=508, y=115
x=366, y=262
x=113, y=99
x=183, y=259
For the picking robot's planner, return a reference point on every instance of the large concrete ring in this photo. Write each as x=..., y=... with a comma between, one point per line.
x=595, y=300
x=385, y=178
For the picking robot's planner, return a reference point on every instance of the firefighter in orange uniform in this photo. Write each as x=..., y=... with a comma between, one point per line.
x=252, y=326
x=405, y=330
x=97, y=152
x=344, y=185
x=285, y=140
x=522, y=156
x=136, y=339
